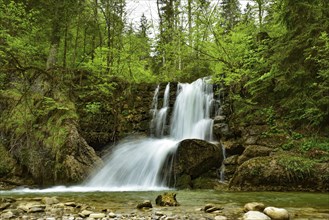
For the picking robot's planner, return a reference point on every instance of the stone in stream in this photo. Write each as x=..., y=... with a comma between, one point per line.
x=50, y=200
x=167, y=199
x=145, y=204
x=277, y=213
x=5, y=205
x=255, y=215
x=85, y=213
x=254, y=206
x=97, y=215
x=211, y=208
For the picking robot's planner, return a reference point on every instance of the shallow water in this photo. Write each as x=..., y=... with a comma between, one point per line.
x=300, y=205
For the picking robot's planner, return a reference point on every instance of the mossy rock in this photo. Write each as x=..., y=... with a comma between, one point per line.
x=167, y=199
x=282, y=172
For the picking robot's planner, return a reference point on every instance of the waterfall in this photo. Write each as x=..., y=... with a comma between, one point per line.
x=159, y=119
x=137, y=164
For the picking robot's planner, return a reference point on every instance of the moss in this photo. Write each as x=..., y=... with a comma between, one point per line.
x=297, y=168
x=7, y=163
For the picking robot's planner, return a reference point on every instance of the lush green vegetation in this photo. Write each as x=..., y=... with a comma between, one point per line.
x=272, y=58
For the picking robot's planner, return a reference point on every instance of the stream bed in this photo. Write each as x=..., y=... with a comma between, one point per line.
x=300, y=205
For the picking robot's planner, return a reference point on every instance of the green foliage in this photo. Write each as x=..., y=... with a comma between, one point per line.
x=93, y=107
x=6, y=161
x=315, y=143
x=297, y=168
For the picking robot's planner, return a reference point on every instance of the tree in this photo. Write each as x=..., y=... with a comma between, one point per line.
x=230, y=14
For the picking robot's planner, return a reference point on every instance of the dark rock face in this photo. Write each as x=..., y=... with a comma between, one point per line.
x=126, y=111
x=195, y=158
x=78, y=159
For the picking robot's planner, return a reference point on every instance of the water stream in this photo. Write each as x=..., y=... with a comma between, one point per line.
x=137, y=164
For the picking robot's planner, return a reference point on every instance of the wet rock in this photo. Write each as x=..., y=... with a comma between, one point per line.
x=194, y=158
x=221, y=130
x=72, y=204
x=220, y=217
x=85, y=213
x=7, y=200
x=145, y=204
x=97, y=215
x=7, y=215
x=50, y=200
x=210, y=208
x=219, y=119
x=276, y=213
x=4, y=205
x=36, y=208
x=255, y=215
x=113, y=215
x=254, y=206
x=167, y=199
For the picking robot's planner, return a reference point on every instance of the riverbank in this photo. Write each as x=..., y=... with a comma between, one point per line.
x=123, y=205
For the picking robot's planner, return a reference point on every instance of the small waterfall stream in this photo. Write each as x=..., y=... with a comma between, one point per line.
x=136, y=165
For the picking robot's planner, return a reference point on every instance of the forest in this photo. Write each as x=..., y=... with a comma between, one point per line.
x=271, y=57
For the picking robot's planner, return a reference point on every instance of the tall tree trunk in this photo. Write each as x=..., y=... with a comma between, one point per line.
x=54, y=45
x=65, y=45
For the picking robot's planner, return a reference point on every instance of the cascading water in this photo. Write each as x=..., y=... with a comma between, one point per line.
x=136, y=165
x=159, y=120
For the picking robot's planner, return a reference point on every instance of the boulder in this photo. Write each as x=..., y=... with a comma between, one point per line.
x=254, y=206
x=144, y=204
x=78, y=158
x=280, y=172
x=50, y=200
x=255, y=215
x=167, y=199
x=254, y=151
x=232, y=148
x=194, y=158
x=277, y=213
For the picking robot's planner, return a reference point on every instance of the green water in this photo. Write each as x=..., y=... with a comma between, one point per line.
x=300, y=205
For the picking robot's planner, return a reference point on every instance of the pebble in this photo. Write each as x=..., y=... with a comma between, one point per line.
x=97, y=215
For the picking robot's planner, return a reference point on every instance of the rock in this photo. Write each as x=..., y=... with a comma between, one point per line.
x=193, y=158
x=97, y=215
x=112, y=215
x=4, y=205
x=50, y=200
x=276, y=213
x=220, y=217
x=272, y=174
x=85, y=213
x=232, y=160
x=7, y=215
x=210, y=208
x=167, y=199
x=219, y=119
x=36, y=208
x=232, y=148
x=7, y=200
x=254, y=151
x=255, y=215
x=72, y=204
x=159, y=213
x=145, y=204
x=254, y=206
x=221, y=130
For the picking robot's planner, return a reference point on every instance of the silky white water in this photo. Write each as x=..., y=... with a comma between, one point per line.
x=137, y=164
